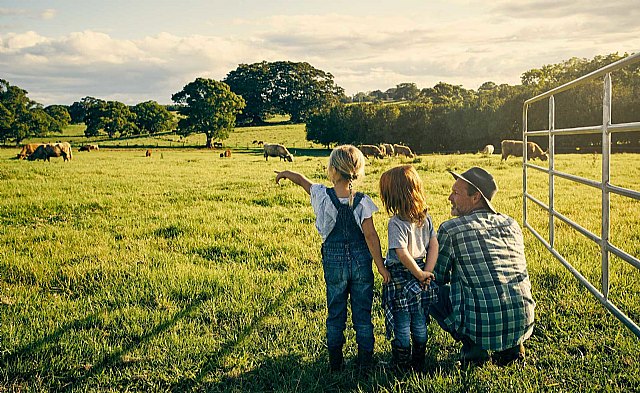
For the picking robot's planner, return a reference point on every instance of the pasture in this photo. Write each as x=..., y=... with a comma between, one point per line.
x=186, y=271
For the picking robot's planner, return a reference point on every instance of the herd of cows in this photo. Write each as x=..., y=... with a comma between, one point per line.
x=44, y=151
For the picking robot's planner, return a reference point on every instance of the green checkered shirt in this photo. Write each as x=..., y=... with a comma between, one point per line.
x=482, y=257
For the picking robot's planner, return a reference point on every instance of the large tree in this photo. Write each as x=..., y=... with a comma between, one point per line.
x=112, y=117
x=208, y=107
x=21, y=117
x=60, y=114
x=153, y=118
x=283, y=87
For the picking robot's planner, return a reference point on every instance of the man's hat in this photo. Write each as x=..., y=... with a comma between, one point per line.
x=482, y=180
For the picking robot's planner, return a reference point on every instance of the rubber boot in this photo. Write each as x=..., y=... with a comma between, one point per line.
x=417, y=357
x=401, y=357
x=336, y=360
x=364, y=361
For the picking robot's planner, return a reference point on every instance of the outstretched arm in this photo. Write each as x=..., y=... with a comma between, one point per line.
x=295, y=177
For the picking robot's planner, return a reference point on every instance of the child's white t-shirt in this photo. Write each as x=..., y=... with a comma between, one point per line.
x=326, y=213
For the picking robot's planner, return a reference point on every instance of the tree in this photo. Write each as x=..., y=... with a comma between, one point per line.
x=78, y=109
x=112, y=117
x=208, y=107
x=283, y=87
x=153, y=118
x=60, y=115
x=406, y=91
x=20, y=117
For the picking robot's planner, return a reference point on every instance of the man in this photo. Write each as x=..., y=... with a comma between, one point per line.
x=485, y=294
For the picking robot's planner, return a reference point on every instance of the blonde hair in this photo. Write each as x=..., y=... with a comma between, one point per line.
x=402, y=194
x=348, y=162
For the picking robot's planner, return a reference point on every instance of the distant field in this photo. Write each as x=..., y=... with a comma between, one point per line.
x=186, y=271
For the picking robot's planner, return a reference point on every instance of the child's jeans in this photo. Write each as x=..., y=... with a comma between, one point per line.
x=348, y=272
x=410, y=325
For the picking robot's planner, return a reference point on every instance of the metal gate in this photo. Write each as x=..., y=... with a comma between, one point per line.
x=604, y=185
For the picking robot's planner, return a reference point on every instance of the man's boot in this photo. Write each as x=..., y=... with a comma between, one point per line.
x=508, y=356
x=417, y=357
x=401, y=357
x=336, y=361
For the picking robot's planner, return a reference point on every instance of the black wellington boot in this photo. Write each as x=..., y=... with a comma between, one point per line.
x=336, y=361
x=401, y=357
x=417, y=357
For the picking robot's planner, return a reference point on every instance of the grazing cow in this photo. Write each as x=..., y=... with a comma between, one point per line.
x=403, y=150
x=514, y=148
x=227, y=153
x=148, y=153
x=371, y=150
x=388, y=149
x=260, y=143
x=221, y=155
x=45, y=152
x=488, y=150
x=276, y=150
x=88, y=148
x=217, y=144
x=28, y=150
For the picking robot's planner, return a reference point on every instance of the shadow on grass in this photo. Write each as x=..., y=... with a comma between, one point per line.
x=293, y=373
x=216, y=358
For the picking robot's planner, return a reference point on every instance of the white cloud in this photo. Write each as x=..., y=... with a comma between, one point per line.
x=48, y=14
x=362, y=52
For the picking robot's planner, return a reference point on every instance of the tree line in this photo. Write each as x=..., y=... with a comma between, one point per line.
x=448, y=118
x=444, y=117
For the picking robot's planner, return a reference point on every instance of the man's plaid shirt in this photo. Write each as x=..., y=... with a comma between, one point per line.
x=482, y=256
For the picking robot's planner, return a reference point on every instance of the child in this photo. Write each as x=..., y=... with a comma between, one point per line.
x=349, y=242
x=412, y=240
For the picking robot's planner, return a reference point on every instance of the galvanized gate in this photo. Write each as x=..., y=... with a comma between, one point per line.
x=604, y=185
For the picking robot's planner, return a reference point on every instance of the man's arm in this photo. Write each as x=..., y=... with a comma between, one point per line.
x=444, y=262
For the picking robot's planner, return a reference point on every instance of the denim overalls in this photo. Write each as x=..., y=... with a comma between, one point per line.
x=346, y=262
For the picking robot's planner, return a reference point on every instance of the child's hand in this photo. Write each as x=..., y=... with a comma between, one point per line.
x=386, y=276
x=428, y=277
x=280, y=175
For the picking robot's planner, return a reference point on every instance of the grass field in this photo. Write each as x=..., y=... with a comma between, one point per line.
x=186, y=271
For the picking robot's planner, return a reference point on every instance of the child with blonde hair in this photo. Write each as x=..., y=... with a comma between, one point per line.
x=411, y=258
x=344, y=219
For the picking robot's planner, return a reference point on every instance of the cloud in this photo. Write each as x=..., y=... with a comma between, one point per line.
x=362, y=52
x=48, y=14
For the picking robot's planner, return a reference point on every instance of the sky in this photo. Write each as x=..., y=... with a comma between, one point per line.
x=138, y=50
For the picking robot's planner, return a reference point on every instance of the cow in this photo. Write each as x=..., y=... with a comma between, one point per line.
x=221, y=155
x=147, y=153
x=28, y=150
x=276, y=150
x=217, y=145
x=46, y=151
x=514, y=148
x=88, y=148
x=388, y=149
x=403, y=150
x=260, y=143
x=227, y=153
x=371, y=150
x=488, y=150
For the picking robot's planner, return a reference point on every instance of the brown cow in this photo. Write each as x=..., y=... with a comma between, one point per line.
x=276, y=150
x=88, y=148
x=148, y=153
x=28, y=150
x=403, y=150
x=388, y=149
x=227, y=153
x=371, y=150
x=45, y=152
x=514, y=148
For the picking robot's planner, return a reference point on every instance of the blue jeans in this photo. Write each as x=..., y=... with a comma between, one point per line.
x=348, y=273
x=409, y=325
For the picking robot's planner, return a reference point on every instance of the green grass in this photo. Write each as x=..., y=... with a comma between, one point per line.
x=187, y=271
